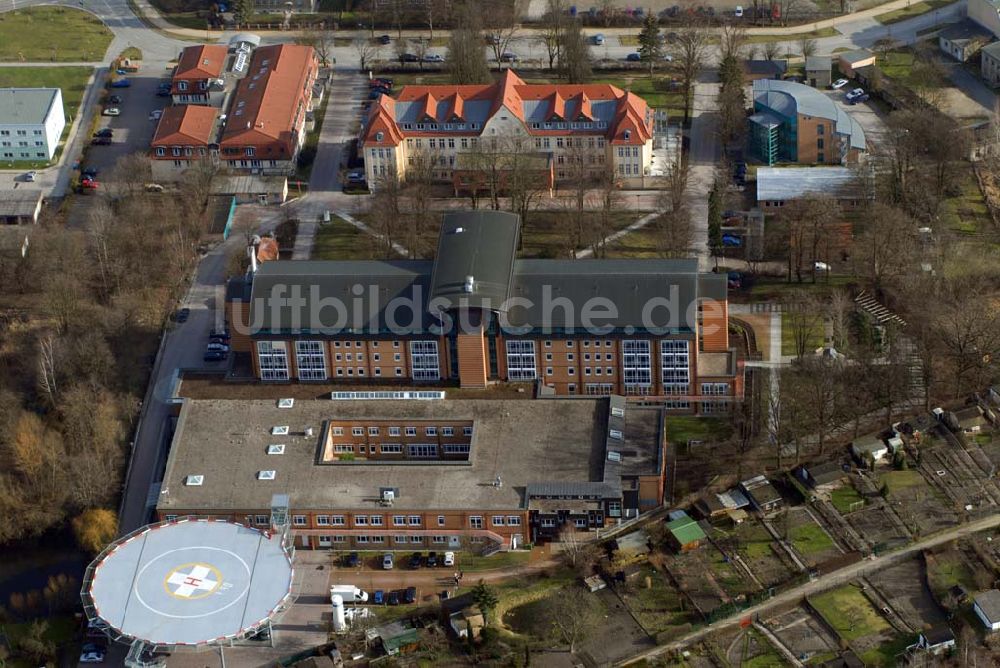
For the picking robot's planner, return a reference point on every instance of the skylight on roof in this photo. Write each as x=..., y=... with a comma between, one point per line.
x=276, y=449
x=614, y=456
x=617, y=434
x=194, y=480
x=286, y=403
x=265, y=475
x=279, y=431
x=618, y=412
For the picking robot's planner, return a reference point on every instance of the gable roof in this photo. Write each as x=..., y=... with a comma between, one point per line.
x=186, y=125
x=204, y=61
x=855, y=56
x=268, y=103
x=532, y=104
x=989, y=603
x=685, y=530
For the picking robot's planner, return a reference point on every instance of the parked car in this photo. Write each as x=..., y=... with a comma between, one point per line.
x=121, y=83
x=163, y=92
x=384, y=39
x=508, y=57
x=89, y=172
x=88, y=183
x=633, y=57
x=91, y=653
x=182, y=315
x=153, y=188
x=104, y=132
x=410, y=58
x=155, y=114
x=214, y=356
x=410, y=595
x=30, y=176
x=416, y=560
x=165, y=85
x=731, y=240
x=220, y=347
x=599, y=39
x=449, y=558
x=115, y=99
x=838, y=84
x=434, y=58
x=860, y=98
x=432, y=559
x=734, y=280
x=854, y=94
x=120, y=71
x=738, y=12
x=381, y=82
x=112, y=111
x=101, y=141
x=393, y=598
x=387, y=561
x=379, y=597
x=352, y=560
x=821, y=266
x=667, y=58
x=224, y=334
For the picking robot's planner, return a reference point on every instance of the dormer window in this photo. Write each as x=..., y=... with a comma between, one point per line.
x=379, y=136
x=628, y=135
x=250, y=151
x=182, y=85
x=160, y=150
x=203, y=85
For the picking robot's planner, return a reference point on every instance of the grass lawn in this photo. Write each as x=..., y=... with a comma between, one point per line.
x=967, y=213
x=754, y=540
x=899, y=480
x=339, y=240
x=72, y=81
x=312, y=139
x=814, y=34
x=849, y=613
x=810, y=539
x=52, y=34
x=684, y=428
x=473, y=563
x=909, y=12
x=546, y=234
x=897, y=64
x=947, y=569
x=844, y=497
x=788, y=335
x=885, y=655
x=658, y=607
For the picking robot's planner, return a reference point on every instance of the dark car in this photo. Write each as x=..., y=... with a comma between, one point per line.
x=89, y=172
x=101, y=141
x=382, y=82
x=731, y=240
x=416, y=561
x=432, y=559
x=393, y=598
x=384, y=39
x=220, y=334
x=352, y=560
x=121, y=83
x=633, y=57
x=183, y=314
x=163, y=92
x=508, y=57
x=379, y=597
x=164, y=85
x=115, y=99
x=214, y=356
x=861, y=98
x=410, y=58
x=105, y=132
x=410, y=595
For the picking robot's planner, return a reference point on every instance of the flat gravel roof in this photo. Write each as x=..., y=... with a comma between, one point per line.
x=191, y=582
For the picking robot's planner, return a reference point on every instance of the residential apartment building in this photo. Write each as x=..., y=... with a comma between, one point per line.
x=476, y=315
x=261, y=126
x=200, y=75
x=388, y=474
x=793, y=122
x=31, y=123
x=585, y=130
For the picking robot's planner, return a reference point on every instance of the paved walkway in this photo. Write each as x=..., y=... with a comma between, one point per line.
x=702, y=159
x=304, y=238
x=611, y=238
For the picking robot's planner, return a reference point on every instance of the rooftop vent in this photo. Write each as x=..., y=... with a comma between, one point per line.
x=308, y=432
x=265, y=475
x=618, y=412
x=617, y=434
x=458, y=230
x=279, y=431
x=470, y=284
x=286, y=403
x=278, y=449
x=194, y=480
x=614, y=456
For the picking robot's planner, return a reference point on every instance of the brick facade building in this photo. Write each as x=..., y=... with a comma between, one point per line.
x=476, y=315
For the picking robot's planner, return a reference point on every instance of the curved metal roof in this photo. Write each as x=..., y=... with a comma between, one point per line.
x=788, y=98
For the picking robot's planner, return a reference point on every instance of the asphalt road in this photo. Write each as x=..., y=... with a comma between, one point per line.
x=822, y=583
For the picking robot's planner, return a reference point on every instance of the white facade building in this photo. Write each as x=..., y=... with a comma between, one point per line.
x=31, y=123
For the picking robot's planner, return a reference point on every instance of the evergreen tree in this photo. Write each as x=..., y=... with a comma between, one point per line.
x=650, y=46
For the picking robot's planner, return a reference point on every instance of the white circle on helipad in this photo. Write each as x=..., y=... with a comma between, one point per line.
x=191, y=582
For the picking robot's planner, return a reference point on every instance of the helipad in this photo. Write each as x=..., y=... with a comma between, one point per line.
x=190, y=582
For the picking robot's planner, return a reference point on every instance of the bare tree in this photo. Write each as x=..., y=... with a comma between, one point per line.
x=771, y=50
x=466, y=58
x=501, y=22
x=572, y=615
x=321, y=41
x=48, y=381
x=804, y=319
x=691, y=49
x=551, y=31
x=574, y=54
x=579, y=553
x=387, y=205
x=673, y=224
x=808, y=46
x=733, y=41
x=367, y=51
x=886, y=248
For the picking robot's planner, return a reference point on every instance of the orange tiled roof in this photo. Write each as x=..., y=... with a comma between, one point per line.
x=205, y=61
x=510, y=91
x=186, y=125
x=269, y=105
